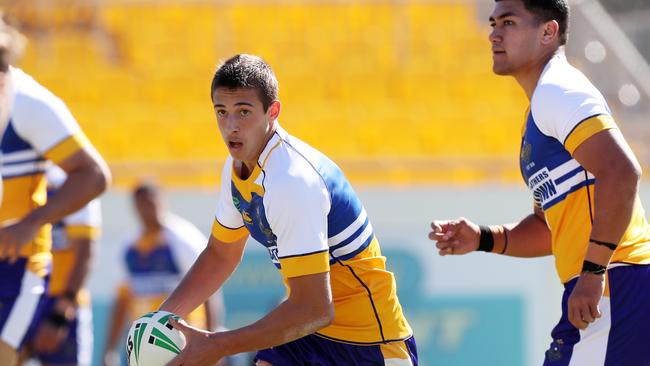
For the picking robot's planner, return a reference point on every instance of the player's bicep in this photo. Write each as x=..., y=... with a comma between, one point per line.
x=605, y=153
x=313, y=289
x=226, y=252
x=539, y=213
x=81, y=158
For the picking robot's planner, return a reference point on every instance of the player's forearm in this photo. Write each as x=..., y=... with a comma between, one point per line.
x=528, y=238
x=206, y=276
x=81, y=186
x=116, y=325
x=614, y=199
x=288, y=322
x=81, y=267
x=209, y=317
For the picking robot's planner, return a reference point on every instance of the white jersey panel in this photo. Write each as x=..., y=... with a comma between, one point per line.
x=296, y=202
x=38, y=116
x=563, y=98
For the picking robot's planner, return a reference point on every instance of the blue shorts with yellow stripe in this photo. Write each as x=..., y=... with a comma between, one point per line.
x=22, y=301
x=315, y=350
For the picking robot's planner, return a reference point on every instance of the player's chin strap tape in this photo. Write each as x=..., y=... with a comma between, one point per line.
x=591, y=267
x=486, y=243
x=611, y=246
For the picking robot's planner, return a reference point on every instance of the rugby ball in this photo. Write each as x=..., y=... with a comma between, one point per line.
x=152, y=341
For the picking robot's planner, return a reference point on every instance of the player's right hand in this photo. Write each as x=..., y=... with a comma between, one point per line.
x=456, y=237
x=13, y=237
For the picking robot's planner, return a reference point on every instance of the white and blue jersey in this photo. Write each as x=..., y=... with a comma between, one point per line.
x=155, y=263
x=565, y=111
x=298, y=204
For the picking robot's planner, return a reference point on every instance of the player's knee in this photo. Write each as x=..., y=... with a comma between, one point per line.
x=263, y=363
x=8, y=355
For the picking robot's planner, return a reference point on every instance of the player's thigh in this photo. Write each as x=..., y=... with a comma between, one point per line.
x=8, y=355
x=262, y=363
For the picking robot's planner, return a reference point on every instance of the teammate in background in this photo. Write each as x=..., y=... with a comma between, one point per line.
x=41, y=129
x=64, y=335
x=342, y=306
x=155, y=262
x=584, y=180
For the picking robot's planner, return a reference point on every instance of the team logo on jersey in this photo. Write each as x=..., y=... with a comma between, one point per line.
x=526, y=152
x=543, y=187
x=235, y=200
x=247, y=217
x=273, y=253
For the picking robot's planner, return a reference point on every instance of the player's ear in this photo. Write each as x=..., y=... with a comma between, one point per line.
x=551, y=31
x=274, y=109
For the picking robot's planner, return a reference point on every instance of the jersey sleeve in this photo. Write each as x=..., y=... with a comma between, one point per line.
x=570, y=116
x=228, y=224
x=85, y=223
x=46, y=123
x=297, y=209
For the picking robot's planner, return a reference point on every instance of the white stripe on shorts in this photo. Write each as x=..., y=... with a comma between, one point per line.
x=592, y=347
x=398, y=362
x=22, y=313
x=84, y=335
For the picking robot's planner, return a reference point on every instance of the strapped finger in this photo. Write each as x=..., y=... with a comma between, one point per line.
x=437, y=236
x=444, y=244
x=436, y=226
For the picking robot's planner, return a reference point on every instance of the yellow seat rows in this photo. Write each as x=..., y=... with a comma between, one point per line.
x=361, y=82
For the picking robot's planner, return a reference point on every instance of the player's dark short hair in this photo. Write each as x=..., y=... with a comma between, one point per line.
x=249, y=72
x=150, y=189
x=547, y=10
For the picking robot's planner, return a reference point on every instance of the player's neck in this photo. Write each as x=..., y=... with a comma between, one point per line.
x=245, y=168
x=528, y=77
x=154, y=227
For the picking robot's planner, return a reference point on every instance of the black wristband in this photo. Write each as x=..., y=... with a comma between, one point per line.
x=591, y=267
x=611, y=246
x=58, y=320
x=486, y=243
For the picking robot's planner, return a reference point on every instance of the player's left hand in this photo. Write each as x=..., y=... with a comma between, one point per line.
x=200, y=348
x=582, y=306
x=15, y=236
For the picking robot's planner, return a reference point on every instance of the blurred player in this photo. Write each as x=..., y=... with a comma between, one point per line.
x=342, y=306
x=64, y=334
x=12, y=44
x=584, y=180
x=155, y=262
x=40, y=129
